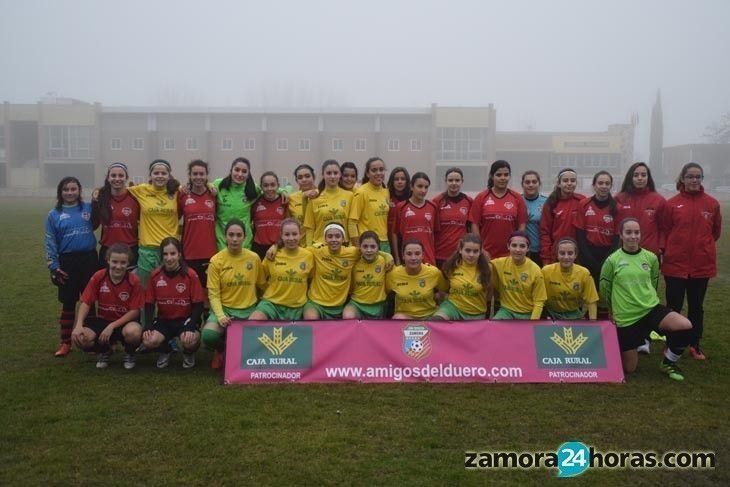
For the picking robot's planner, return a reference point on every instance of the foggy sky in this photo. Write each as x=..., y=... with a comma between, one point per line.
x=549, y=65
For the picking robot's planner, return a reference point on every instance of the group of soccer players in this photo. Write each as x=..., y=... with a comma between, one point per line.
x=183, y=261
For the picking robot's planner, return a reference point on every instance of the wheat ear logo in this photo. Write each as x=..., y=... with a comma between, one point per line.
x=568, y=343
x=278, y=344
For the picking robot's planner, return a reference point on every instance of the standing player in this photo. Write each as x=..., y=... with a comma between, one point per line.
x=453, y=216
x=267, y=214
x=236, y=194
x=692, y=225
x=498, y=211
x=367, y=291
x=118, y=296
x=370, y=205
x=415, y=219
x=629, y=280
x=70, y=252
x=176, y=291
x=332, y=205
x=534, y=201
x=559, y=214
x=298, y=201
x=570, y=289
x=117, y=212
x=399, y=189
x=349, y=176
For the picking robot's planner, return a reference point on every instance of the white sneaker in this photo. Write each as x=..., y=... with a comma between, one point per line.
x=163, y=360
x=129, y=361
x=102, y=360
x=188, y=360
x=645, y=348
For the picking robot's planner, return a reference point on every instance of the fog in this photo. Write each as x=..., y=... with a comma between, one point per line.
x=559, y=65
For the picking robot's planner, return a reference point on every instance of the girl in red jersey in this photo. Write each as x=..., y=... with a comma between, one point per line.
x=197, y=209
x=399, y=189
x=559, y=214
x=176, y=291
x=692, y=225
x=119, y=297
x=497, y=211
x=453, y=207
x=415, y=219
x=117, y=213
x=639, y=199
x=267, y=214
x=595, y=225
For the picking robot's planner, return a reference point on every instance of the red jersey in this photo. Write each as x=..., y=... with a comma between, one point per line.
x=113, y=300
x=497, y=219
x=412, y=222
x=266, y=218
x=174, y=295
x=453, y=216
x=647, y=207
x=692, y=224
x=123, y=221
x=198, y=214
x=597, y=222
x=557, y=221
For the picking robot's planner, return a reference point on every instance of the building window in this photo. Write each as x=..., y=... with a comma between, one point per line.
x=191, y=143
x=338, y=145
x=226, y=143
x=68, y=143
x=461, y=144
x=393, y=145
x=116, y=144
x=361, y=145
x=138, y=144
x=282, y=144
x=416, y=145
x=168, y=143
x=249, y=144
x=305, y=144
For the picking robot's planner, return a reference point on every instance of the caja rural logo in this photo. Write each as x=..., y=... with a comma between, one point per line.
x=417, y=341
x=565, y=347
x=276, y=347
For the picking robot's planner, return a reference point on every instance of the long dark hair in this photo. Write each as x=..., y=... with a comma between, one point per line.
x=325, y=165
x=391, y=184
x=455, y=259
x=249, y=189
x=496, y=166
x=611, y=202
x=368, y=163
x=104, y=200
x=680, y=179
x=303, y=166
x=191, y=165
x=59, y=191
x=628, y=185
x=554, y=197
x=173, y=241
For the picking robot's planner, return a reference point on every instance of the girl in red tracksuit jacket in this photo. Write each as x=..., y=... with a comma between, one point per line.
x=559, y=214
x=692, y=225
x=639, y=199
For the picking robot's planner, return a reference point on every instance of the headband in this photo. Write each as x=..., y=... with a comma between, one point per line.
x=563, y=171
x=119, y=165
x=334, y=225
x=161, y=162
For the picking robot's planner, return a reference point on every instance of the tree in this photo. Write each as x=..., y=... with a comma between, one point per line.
x=719, y=132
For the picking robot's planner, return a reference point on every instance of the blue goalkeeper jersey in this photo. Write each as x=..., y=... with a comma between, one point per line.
x=69, y=230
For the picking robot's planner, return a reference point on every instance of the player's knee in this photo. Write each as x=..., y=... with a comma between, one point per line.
x=211, y=338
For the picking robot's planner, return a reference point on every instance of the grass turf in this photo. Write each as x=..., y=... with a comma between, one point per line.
x=65, y=422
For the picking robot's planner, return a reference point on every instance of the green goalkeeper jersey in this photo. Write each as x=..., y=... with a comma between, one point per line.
x=629, y=285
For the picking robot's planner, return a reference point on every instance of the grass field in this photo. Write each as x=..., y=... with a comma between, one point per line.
x=65, y=422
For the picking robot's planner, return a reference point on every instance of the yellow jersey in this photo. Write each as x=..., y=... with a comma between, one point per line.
x=568, y=291
x=521, y=288
x=368, y=279
x=158, y=217
x=415, y=294
x=369, y=211
x=287, y=277
x=331, y=206
x=297, y=204
x=465, y=291
x=332, y=275
x=233, y=279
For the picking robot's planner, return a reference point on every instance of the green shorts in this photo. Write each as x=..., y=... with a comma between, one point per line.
x=277, y=312
x=325, y=312
x=507, y=314
x=577, y=314
x=448, y=309
x=148, y=259
x=235, y=313
x=368, y=311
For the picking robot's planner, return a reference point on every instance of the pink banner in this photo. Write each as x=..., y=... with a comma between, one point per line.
x=422, y=351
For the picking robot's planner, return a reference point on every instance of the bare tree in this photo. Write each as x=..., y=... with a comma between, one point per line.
x=719, y=132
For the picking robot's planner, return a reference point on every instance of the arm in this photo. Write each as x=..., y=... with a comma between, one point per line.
x=592, y=311
x=106, y=334
x=539, y=296
x=214, y=291
x=717, y=224
x=606, y=282
x=546, y=238
x=50, y=244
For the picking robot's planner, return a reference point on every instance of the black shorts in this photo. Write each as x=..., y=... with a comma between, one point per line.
x=97, y=325
x=200, y=266
x=260, y=249
x=172, y=328
x=79, y=266
x=632, y=336
x=132, y=259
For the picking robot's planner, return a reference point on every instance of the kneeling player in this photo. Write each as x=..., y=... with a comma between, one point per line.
x=176, y=290
x=119, y=297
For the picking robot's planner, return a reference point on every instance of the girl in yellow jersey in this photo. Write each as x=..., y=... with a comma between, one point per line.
x=348, y=180
x=287, y=277
x=370, y=205
x=519, y=282
x=234, y=273
x=570, y=288
x=469, y=278
x=331, y=206
x=304, y=175
x=367, y=291
x=158, y=217
x=415, y=284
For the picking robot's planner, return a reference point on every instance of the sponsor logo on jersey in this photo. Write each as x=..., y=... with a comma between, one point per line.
x=189, y=201
x=161, y=283
x=590, y=212
x=489, y=202
x=409, y=213
x=104, y=289
x=261, y=207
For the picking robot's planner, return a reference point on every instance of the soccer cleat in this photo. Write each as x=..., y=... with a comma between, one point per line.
x=188, y=360
x=654, y=336
x=645, y=348
x=217, y=362
x=672, y=370
x=129, y=361
x=163, y=360
x=697, y=353
x=102, y=360
x=63, y=349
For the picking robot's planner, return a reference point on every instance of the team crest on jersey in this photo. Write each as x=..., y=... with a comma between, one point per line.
x=126, y=211
x=576, y=286
x=170, y=196
x=249, y=266
x=427, y=216
x=377, y=269
x=410, y=212
x=509, y=205
x=707, y=215
x=462, y=210
x=421, y=283
x=302, y=265
x=123, y=296
x=189, y=201
x=345, y=263
x=181, y=287
x=343, y=203
x=104, y=289
x=649, y=212
x=209, y=203
x=161, y=283
x=86, y=215
x=590, y=212
x=607, y=218
x=645, y=266
x=523, y=276
x=417, y=341
x=280, y=210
